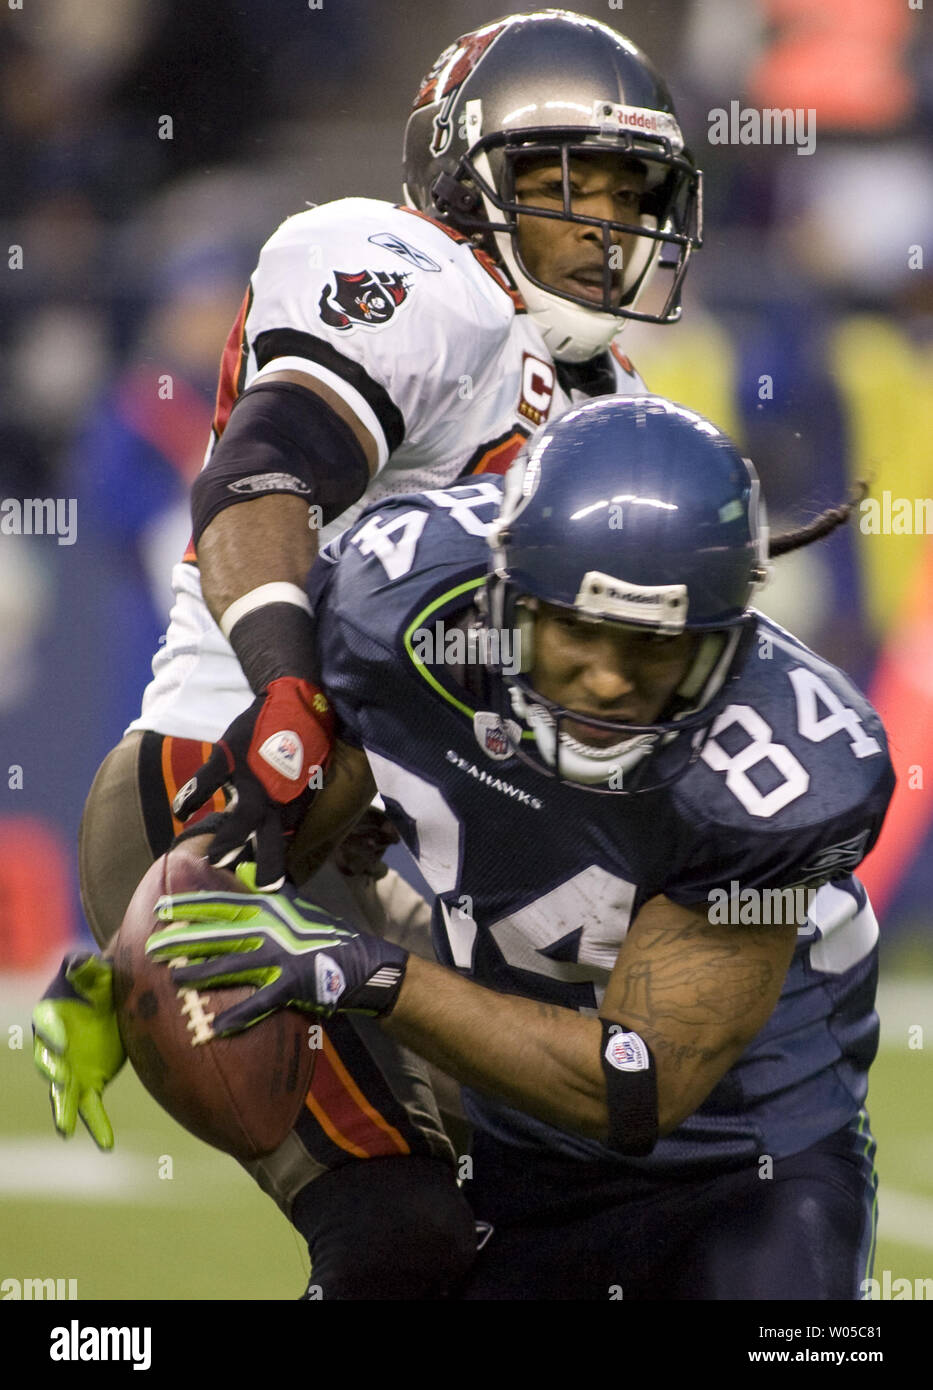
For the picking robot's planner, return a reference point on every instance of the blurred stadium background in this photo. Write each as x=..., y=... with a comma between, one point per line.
x=135, y=249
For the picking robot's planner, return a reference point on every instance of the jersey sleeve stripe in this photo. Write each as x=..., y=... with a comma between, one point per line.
x=290, y=342
x=232, y=366
x=441, y=226
x=357, y=403
x=624, y=362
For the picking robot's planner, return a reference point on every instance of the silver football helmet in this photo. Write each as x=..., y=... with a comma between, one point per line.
x=559, y=85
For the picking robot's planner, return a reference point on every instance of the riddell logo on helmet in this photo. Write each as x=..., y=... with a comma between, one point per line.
x=644, y=120
x=609, y=113
x=603, y=596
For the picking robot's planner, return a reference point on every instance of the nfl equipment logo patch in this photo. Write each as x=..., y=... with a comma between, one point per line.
x=285, y=753
x=496, y=737
x=626, y=1052
x=330, y=979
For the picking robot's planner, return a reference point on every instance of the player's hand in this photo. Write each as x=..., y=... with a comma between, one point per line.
x=268, y=755
x=293, y=952
x=77, y=1045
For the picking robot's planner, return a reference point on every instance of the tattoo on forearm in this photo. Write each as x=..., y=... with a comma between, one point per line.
x=681, y=976
x=686, y=993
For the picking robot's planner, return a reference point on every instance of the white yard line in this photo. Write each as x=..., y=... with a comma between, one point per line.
x=905, y=1217
x=903, y=1005
x=40, y=1170
x=33, y=1169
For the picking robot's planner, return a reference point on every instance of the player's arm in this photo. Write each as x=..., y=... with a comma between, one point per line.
x=290, y=443
x=695, y=993
x=267, y=539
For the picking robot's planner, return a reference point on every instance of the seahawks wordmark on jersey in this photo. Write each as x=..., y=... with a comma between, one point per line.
x=537, y=881
x=421, y=336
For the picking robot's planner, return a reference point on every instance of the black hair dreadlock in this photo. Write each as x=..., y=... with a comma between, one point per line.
x=820, y=526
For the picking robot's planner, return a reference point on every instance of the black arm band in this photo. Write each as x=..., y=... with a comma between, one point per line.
x=631, y=1090
x=283, y=438
x=272, y=641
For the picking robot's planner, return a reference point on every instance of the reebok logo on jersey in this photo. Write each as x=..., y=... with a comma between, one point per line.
x=626, y=1052
x=367, y=297
x=828, y=862
x=497, y=783
x=394, y=243
x=284, y=752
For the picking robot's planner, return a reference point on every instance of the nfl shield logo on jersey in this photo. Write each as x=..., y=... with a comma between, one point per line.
x=496, y=737
x=369, y=297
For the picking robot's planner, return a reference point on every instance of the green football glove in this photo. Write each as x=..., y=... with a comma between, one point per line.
x=77, y=1045
x=295, y=954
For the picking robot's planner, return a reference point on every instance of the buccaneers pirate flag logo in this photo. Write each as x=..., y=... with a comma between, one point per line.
x=369, y=297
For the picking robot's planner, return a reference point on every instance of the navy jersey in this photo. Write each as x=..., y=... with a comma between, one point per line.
x=537, y=881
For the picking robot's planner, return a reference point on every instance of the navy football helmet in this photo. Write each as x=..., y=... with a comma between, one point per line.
x=636, y=511
x=555, y=85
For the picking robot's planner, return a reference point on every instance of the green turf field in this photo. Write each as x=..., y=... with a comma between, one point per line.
x=125, y=1229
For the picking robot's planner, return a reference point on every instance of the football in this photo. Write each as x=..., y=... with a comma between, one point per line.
x=241, y=1094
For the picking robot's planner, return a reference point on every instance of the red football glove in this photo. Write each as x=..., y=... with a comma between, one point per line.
x=268, y=756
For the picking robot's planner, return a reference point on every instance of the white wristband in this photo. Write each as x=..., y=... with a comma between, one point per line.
x=278, y=592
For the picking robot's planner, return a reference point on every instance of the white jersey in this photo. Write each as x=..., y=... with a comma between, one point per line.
x=420, y=334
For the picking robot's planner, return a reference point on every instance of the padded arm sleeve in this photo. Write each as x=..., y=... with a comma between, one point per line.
x=281, y=437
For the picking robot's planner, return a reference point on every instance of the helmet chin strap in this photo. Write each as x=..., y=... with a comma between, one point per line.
x=570, y=333
x=580, y=762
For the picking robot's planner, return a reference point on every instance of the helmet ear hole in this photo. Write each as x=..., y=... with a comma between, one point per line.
x=449, y=195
